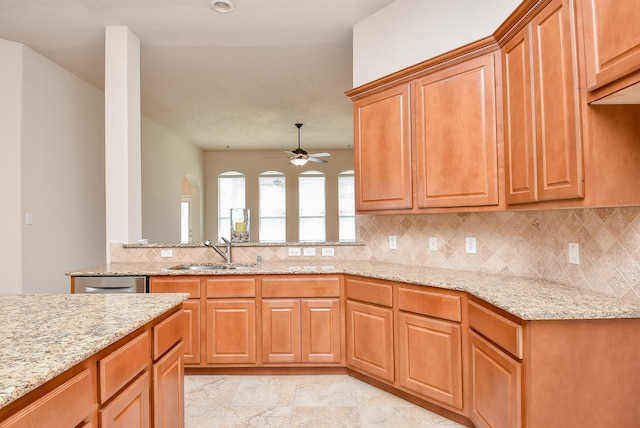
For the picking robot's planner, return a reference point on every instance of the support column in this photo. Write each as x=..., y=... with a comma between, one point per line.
x=122, y=137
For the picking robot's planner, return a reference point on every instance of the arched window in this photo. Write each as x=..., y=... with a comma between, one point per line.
x=231, y=194
x=346, y=207
x=311, y=206
x=272, y=211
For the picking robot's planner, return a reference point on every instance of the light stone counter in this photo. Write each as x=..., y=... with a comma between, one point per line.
x=43, y=335
x=526, y=298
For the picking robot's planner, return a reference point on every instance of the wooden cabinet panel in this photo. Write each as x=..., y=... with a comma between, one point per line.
x=320, y=330
x=130, y=408
x=192, y=312
x=503, y=332
x=191, y=336
x=167, y=333
x=168, y=390
x=496, y=386
x=122, y=365
x=543, y=139
x=556, y=89
x=76, y=397
x=382, y=150
x=297, y=286
x=370, y=291
x=231, y=331
x=226, y=287
x=612, y=40
x=281, y=331
x=456, y=136
x=519, y=141
x=430, y=358
x=439, y=304
x=370, y=339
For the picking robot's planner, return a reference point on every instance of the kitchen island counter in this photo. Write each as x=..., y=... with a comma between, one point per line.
x=43, y=335
x=526, y=298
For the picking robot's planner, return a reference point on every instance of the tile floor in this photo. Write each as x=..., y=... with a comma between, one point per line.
x=298, y=401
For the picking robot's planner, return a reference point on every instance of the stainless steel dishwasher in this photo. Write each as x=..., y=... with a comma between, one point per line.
x=110, y=284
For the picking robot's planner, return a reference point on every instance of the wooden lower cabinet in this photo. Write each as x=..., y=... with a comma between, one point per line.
x=370, y=339
x=430, y=358
x=301, y=331
x=130, y=408
x=168, y=389
x=496, y=386
x=231, y=331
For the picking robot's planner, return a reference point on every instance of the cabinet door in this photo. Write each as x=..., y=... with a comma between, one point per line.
x=455, y=136
x=281, y=331
x=191, y=338
x=231, y=331
x=370, y=339
x=496, y=386
x=430, y=358
x=382, y=150
x=320, y=323
x=612, y=40
x=168, y=390
x=130, y=408
x=519, y=141
x=557, y=105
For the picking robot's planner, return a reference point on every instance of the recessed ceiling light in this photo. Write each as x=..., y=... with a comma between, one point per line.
x=222, y=6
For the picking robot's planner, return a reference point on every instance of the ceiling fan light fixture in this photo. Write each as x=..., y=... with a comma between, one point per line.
x=222, y=6
x=299, y=161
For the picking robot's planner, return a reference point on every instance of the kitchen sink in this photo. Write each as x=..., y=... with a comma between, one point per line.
x=213, y=266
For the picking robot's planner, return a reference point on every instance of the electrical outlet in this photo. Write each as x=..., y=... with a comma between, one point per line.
x=328, y=252
x=574, y=253
x=166, y=253
x=470, y=245
x=433, y=243
x=294, y=252
x=308, y=252
x=393, y=242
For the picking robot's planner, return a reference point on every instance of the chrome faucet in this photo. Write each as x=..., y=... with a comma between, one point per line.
x=225, y=255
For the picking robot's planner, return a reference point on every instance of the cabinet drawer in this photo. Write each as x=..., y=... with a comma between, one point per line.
x=74, y=396
x=175, y=285
x=122, y=365
x=503, y=332
x=301, y=287
x=431, y=303
x=167, y=333
x=230, y=287
x=368, y=291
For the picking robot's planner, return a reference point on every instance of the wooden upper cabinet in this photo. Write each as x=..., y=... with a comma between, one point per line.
x=382, y=150
x=455, y=136
x=612, y=41
x=543, y=140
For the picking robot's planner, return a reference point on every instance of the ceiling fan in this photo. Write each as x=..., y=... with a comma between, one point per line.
x=300, y=157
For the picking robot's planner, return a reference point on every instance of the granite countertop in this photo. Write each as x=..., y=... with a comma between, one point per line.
x=44, y=335
x=527, y=298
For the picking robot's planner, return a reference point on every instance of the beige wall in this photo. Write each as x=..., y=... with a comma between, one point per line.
x=252, y=164
x=166, y=160
x=10, y=119
x=62, y=175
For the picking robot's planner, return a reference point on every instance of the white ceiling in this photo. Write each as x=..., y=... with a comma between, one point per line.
x=238, y=80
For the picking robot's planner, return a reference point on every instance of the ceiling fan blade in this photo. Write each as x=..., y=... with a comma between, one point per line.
x=317, y=160
x=320, y=155
x=289, y=153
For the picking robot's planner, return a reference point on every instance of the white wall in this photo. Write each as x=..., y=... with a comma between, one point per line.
x=10, y=214
x=166, y=159
x=411, y=31
x=62, y=175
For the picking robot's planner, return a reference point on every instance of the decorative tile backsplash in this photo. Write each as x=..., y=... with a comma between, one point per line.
x=523, y=243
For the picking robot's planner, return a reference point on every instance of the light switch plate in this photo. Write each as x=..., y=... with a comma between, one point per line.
x=166, y=253
x=328, y=252
x=308, y=252
x=433, y=243
x=574, y=253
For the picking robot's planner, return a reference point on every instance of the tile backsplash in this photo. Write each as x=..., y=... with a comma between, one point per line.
x=522, y=243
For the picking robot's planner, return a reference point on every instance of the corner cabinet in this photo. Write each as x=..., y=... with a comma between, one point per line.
x=543, y=140
x=382, y=150
x=429, y=144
